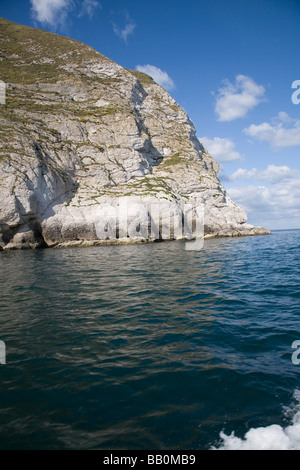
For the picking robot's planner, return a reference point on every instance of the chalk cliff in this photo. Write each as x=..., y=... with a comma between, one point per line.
x=80, y=135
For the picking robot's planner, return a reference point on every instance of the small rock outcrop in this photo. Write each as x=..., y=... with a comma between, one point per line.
x=80, y=136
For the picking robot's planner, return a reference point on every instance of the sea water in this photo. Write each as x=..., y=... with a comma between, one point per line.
x=152, y=346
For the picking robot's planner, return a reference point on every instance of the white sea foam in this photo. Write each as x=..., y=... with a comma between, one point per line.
x=273, y=437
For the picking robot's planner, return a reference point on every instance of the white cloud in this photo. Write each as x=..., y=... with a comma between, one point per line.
x=89, y=7
x=273, y=208
x=275, y=203
x=158, y=75
x=284, y=131
x=235, y=100
x=55, y=12
x=125, y=32
x=51, y=12
x=272, y=174
x=126, y=29
x=222, y=150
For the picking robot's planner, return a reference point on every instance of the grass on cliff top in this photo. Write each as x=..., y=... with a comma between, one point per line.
x=24, y=40
x=31, y=55
x=142, y=77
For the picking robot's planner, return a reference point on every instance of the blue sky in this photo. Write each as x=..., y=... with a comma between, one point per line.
x=231, y=66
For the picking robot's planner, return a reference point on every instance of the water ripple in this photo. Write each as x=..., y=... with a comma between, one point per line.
x=147, y=346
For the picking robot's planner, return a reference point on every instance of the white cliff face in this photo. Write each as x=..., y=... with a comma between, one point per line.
x=79, y=133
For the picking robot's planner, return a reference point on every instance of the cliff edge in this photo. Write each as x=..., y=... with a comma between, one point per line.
x=80, y=134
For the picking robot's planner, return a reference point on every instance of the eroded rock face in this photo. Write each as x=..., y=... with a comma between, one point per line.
x=80, y=134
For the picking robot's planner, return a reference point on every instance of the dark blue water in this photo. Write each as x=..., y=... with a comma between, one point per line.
x=148, y=346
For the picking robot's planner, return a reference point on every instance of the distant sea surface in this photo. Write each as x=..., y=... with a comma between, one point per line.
x=151, y=346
